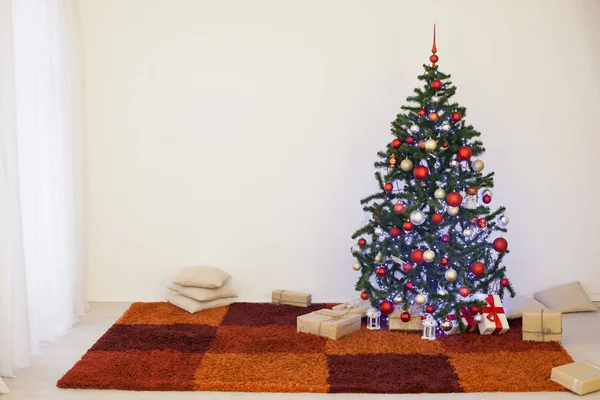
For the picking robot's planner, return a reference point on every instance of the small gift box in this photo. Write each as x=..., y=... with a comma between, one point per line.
x=291, y=298
x=414, y=325
x=332, y=324
x=494, y=320
x=578, y=377
x=542, y=326
x=354, y=307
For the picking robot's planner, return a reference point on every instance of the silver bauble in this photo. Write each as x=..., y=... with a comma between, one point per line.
x=478, y=318
x=435, y=99
x=378, y=231
x=378, y=258
x=468, y=232
x=420, y=299
x=453, y=210
x=414, y=128
x=406, y=165
x=446, y=126
x=398, y=299
x=356, y=266
x=417, y=217
x=430, y=145
x=439, y=193
x=503, y=220
x=442, y=292
x=477, y=165
x=454, y=163
x=451, y=275
x=428, y=255
x=446, y=325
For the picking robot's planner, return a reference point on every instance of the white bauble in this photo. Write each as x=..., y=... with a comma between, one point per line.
x=503, y=220
x=417, y=217
x=406, y=165
x=451, y=275
x=430, y=145
x=468, y=232
x=439, y=193
x=477, y=165
x=398, y=299
x=478, y=318
x=420, y=299
x=414, y=128
x=378, y=258
x=356, y=249
x=356, y=266
x=453, y=211
x=428, y=255
x=454, y=163
x=435, y=99
x=378, y=231
x=446, y=126
x=442, y=292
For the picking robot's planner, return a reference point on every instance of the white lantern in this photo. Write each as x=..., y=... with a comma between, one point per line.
x=429, y=326
x=373, y=317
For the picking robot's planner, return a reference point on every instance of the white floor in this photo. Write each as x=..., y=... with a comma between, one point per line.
x=581, y=338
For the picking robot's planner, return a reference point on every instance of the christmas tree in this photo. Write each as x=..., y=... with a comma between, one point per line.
x=434, y=240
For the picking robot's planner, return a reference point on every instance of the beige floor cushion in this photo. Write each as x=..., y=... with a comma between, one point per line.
x=203, y=294
x=514, y=307
x=203, y=277
x=193, y=306
x=567, y=298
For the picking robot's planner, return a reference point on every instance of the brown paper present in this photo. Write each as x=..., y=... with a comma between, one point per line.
x=291, y=298
x=414, y=325
x=332, y=324
x=578, y=377
x=354, y=307
x=542, y=326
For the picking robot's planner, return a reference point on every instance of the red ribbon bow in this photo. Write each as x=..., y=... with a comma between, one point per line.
x=469, y=318
x=493, y=313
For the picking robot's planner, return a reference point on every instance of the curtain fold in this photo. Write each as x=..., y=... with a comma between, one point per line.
x=42, y=274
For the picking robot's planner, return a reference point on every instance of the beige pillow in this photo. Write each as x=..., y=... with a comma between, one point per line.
x=567, y=298
x=514, y=307
x=193, y=306
x=203, y=277
x=203, y=294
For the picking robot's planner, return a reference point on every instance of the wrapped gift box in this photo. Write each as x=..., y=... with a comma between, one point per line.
x=467, y=319
x=542, y=326
x=291, y=298
x=414, y=325
x=357, y=306
x=578, y=377
x=332, y=324
x=494, y=320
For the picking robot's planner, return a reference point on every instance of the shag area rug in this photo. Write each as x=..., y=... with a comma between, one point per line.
x=254, y=347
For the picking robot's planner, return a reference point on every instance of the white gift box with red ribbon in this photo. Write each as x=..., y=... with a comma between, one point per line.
x=467, y=319
x=494, y=320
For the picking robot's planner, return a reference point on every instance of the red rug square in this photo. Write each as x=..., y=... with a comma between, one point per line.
x=261, y=314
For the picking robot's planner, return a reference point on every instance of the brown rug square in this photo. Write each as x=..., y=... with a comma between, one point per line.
x=254, y=347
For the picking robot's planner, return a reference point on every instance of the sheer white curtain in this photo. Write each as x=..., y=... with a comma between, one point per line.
x=42, y=276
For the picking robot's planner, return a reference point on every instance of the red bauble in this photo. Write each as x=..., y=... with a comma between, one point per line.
x=433, y=58
x=446, y=144
x=436, y=84
x=386, y=307
x=409, y=139
x=362, y=242
x=446, y=239
x=380, y=271
x=437, y=218
x=433, y=116
x=477, y=268
x=504, y=282
x=454, y=199
x=482, y=223
x=405, y=317
x=500, y=245
x=398, y=208
x=375, y=217
x=422, y=145
x=388, y=187
x=444, y=262
x=395, y=232
x=406, y=267
x=409, y=285
x=474, y=221
x=486, y=198
x=429, y=309
x=464, y=291
x=474, y=310
x=421, y=172
x=422, y=112
x=464, y=153
x=416, y=256
x=396, y=143
x=472, y=190
x=456, y=116
x=364, y=295
x=407, y=226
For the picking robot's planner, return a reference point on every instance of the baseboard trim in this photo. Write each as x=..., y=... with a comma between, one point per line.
x=595, y=297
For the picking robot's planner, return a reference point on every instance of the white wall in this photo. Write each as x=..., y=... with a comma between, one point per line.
x=241, y=134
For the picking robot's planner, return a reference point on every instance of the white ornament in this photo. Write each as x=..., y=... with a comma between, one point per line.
x=428, y=255
x=356, y=266
x=477, y=165
x=446, y=126
x=356, y=249
x=378, y=258
x=414, y=128
x=483, y=191
x=429, y=326
x=478, y=318
x=398, y=299
x=503, y=220
x=430, y=145
x=373, y=317
x=417, y=217
x=453, y=210
x=435, y=99
x=378, y=231
x=454, y=163
x=420, y=299
x=406, y=165
x=471, y=202
x=442, y=292
x=468, y=232
x=439, y=193
x=451, y=275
